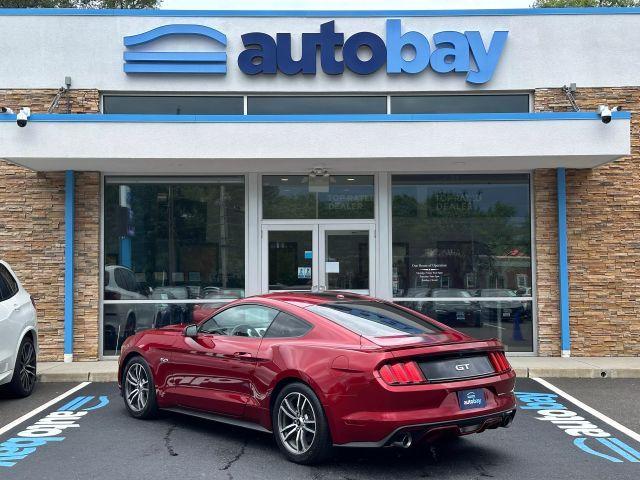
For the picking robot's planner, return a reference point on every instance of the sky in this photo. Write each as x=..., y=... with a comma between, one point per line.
x=341, y=4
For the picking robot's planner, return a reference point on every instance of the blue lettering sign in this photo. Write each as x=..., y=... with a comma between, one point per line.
x=452, y=52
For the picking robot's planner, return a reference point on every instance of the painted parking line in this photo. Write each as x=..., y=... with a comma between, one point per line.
x=599, y=415
x=585, y=434
x=42, y=408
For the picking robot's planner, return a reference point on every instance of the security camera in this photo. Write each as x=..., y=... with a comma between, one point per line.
x=6, y=110
x=605, y=112
x=23, y=116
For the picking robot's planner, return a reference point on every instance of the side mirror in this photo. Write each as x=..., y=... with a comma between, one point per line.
x=191, y=331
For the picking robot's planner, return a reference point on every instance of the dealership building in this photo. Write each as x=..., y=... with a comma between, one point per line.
x=467, y=164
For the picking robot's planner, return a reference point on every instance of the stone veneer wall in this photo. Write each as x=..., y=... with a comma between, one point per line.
x=603, y=222
x=32, y=234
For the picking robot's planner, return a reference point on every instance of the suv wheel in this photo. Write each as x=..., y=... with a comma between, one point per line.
x=300, y=426
x=24, y=372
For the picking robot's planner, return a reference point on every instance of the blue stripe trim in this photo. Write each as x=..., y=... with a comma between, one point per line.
x=563, y=263
x=69, y=186
x=72, y=403
x=175, y=56
x=175, y=29
x=205, y=68
x=318, y=13
x=620, y=451
x=364, y=118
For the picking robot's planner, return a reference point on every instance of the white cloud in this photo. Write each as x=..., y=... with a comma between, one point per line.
x=341, y=4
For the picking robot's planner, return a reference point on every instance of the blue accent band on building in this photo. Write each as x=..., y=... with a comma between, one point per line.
x=509, y=12
x=355, y=118
x=69, y=187
x=563, y=263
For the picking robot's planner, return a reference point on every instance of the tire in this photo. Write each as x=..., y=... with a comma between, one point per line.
x=292, y=435
x=24, y=373
x=137, y=377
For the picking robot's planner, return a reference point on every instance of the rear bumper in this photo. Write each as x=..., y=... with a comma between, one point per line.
x=379, y=412
x=458, y=427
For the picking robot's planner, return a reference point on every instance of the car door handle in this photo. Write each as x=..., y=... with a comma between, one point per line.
x=242, y=355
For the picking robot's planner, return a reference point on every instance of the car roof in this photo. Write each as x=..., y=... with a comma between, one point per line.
x=307, y=299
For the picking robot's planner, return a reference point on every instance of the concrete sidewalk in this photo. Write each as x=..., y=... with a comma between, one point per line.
x=550, y=367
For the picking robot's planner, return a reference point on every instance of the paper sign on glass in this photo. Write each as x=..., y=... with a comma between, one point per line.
x=332, y=267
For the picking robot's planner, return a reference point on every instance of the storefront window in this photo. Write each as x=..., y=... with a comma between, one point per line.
x=316, y=105
x=462, y=252
x=483, y=103
x=169, y=241
x=306, y=197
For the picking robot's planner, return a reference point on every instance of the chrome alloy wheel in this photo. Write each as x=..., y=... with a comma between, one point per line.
x=27, y=367
x=296, y=423
x=136, y=387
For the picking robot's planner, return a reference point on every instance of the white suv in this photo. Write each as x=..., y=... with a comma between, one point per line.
x=18, y=335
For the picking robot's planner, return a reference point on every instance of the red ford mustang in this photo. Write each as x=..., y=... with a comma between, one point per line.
x=321, y=370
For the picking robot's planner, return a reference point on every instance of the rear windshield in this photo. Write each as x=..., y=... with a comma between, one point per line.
x=374, y=319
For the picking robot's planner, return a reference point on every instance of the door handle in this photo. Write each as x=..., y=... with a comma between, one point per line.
x=242, y=355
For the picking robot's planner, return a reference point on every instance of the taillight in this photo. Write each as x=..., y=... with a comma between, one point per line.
x=33, y=302
x=499, y=362
x=403, y=373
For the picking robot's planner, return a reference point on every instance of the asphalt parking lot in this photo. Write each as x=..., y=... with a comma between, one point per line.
x=551, y=438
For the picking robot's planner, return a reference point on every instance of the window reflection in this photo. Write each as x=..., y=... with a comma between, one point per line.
x=462, y=244
x=509, y=321
x=305, y=197
x=168, y=242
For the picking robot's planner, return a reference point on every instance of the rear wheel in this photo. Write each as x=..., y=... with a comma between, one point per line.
x=300, y=426
x=139, y=390
x=24, y=372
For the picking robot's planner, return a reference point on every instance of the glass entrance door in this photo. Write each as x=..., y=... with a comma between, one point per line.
x=318, y=257
x=346, y=255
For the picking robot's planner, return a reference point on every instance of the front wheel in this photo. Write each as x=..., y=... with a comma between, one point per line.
x=300, y=426
x=138, y=389
x=24, y=372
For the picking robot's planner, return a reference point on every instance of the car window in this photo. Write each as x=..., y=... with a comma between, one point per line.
x=375, y=319
x=130, y=281
x=119, y=278
x=241, y=321
x=287, y=326
x=8, y=285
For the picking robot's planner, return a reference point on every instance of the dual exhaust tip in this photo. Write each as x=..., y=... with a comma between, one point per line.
x=404, y=440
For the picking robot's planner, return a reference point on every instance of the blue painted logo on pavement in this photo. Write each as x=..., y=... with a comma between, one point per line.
x=590, y=438
x=48, y=429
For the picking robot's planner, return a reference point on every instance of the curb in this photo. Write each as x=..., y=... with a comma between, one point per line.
x=77, y=377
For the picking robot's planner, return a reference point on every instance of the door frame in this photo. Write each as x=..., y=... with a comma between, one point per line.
x=317, y=229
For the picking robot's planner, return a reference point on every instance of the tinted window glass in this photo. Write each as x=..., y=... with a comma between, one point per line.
x=461, y=232
x=460, y=104
x=10, y=282
x=316, y=105
x=242, y=321
x=173, y=105
x=302, y=196
x=6, y=290
x=375, y=319
x=286, y=325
